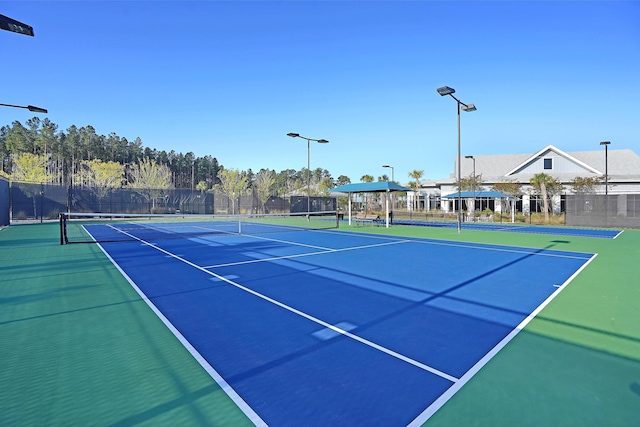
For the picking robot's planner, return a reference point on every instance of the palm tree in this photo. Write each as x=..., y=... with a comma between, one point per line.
x=416, y=174
x=545, y=185
x=366, y=178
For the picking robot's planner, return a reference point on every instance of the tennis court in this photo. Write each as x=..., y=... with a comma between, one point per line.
x=332, y=328
x=316, y=327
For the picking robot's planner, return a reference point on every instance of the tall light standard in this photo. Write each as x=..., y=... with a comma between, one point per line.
x=443, y=91
x=606, y=167
x=393, y=179
x=606, y=181
x=392, y=172
x=319, y=141
x=474, y=185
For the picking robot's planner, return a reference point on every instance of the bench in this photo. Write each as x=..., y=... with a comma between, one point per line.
x=367, y=218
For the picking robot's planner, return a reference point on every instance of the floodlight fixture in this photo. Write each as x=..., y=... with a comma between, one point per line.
x=446, y=90
x=27, y=107
x=319, y=141
x=605, y=143
x=36, y=109
x=14, y=26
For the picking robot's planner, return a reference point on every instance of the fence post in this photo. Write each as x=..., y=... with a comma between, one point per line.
x=41, y=201
x=61, y=228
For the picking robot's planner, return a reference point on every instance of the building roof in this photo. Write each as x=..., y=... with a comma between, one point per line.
x=368, y=187
x=567, y=165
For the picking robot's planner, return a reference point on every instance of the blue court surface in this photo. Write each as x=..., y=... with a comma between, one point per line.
x=513, y=228
x=336, y=328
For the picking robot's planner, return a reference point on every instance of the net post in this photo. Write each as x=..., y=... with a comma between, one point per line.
x=62, y=225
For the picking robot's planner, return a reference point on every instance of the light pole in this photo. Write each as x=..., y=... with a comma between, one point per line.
x=392, y=172
x=319, y=141
x=606, y=181
x=606, y=167
x=393, y=179
x=28, y=107
x=443, y=91
x=474, y=186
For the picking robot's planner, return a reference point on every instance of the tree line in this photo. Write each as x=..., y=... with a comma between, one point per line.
x=37, y=151
x=63, y=152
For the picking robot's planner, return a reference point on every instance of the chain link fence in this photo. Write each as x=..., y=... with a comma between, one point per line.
x=46, y=202
x=599, y=210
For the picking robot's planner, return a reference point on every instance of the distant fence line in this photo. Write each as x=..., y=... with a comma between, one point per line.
x=25, y=201
x=43, y=201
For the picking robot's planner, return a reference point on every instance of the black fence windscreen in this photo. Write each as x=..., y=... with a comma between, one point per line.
x=613, y=210
x=4, y=202
x=46, y=202
x=314, y=204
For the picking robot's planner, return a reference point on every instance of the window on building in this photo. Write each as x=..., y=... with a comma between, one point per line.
x=536, y=204
x=548, y=164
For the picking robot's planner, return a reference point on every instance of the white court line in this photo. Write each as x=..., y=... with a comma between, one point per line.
x=526, y=251
x=253, y=261
x=480, y=246
x=305, y=315
x=233, y=395
x=438, y=403
x=328, y=251
x=306, y=245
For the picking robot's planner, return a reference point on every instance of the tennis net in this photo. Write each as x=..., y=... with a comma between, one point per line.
x=107, y=227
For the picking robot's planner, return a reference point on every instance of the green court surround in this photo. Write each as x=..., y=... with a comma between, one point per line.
x=79, y=346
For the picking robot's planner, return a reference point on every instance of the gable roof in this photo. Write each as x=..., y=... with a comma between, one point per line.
x=622, y=163
x=545, y=151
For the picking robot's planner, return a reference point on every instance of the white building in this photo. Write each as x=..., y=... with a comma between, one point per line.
x=622, y=169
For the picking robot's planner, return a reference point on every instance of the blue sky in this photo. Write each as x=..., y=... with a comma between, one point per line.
x=231, y=79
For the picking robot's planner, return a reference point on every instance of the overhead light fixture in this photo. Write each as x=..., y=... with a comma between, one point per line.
x=446, y=90
x=468, y=108
x=28, y=107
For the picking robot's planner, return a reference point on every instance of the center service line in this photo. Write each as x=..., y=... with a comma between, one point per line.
x=305, y=315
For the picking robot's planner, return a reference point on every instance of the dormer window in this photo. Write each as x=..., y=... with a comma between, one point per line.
x=548, y=164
